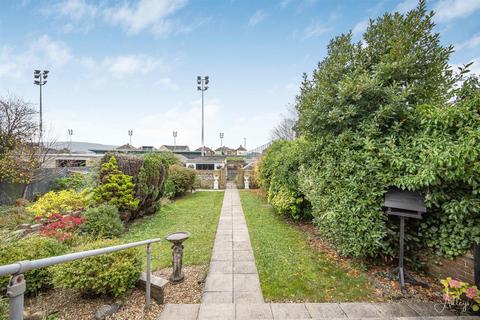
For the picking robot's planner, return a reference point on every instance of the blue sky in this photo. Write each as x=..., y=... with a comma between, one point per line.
x=120, y=65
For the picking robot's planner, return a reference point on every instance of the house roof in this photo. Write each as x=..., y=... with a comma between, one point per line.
x=206, y=149
x=208, y=159
x=241, y=148
x=175, y=148
x=224, y=149
x=126, y=147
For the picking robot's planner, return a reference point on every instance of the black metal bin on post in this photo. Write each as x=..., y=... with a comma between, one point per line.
x=404, y=204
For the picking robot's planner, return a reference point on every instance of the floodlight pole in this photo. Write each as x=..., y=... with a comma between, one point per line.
x=40, y=79
x=174, y=140
x=245, y=143
x=221, y=141
x=130, y=133
x=202, y=85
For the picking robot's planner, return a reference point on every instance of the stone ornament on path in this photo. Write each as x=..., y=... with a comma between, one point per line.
x=247, y=182
x=177, y=239
x=215, y=182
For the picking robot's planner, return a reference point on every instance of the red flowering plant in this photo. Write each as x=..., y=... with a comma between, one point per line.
x=459, y=293
x=61, y=227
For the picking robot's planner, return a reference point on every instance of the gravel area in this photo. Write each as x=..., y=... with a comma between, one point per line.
x=68, y=305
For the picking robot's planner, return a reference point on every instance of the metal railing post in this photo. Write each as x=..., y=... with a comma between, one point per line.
x=147, y=293
x=15, y=292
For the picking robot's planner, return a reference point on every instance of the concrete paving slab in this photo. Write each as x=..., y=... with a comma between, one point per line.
x=290, y=311
x=360, y=310
x=430, y=309
x=225, y=255
x=395, y=310
x=217, y=297
x=241, y=245
x=248, y=297
x=219, y=282
x=221, y=267
x=242, y=267
x=180, y=311
x=216, y=311
x=243, y=255
x=325, y=310
x=253, y=311
x=246, y=282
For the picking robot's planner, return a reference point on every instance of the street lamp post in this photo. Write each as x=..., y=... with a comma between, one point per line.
x=174, y=140
x=221, y=141
x=130, y=133
x=40, y=79
x=202, y=85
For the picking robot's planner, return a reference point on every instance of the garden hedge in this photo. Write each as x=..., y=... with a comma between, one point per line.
x=386, y=112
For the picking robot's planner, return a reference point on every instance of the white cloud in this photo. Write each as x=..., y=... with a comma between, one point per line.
x=315, y=30
x=145, y=14
x=406, y=6
x=470, y=43
x=166, y=83
x=360, y=27
x=256, y=18
x=132, y=64
x=42, y=52
x=285, y=3
x=80, y=14
x=447, y=10
x=475, y=67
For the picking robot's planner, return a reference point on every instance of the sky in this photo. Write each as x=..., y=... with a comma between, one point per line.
x=132, y=65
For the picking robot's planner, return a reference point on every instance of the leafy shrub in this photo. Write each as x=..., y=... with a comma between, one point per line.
x=75, y=181
x=278, y=176
x=150, y=183
x=61, y=227
x=388, y=114
x=62, y=202
x=148, y=177
x=108, y=274
x=115, y=187
x=31, y=248
x=179, y=181
x=12, y=217
x=102, y=222
x=456, y=292
x=3, y=308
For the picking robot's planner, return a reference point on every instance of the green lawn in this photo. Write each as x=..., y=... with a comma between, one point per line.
x=197, y=213
x=289, y=268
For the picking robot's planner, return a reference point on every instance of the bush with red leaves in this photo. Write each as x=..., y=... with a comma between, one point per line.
x=61, y=227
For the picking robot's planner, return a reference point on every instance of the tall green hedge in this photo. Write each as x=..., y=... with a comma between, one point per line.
x=278, y=174
x=388, y=112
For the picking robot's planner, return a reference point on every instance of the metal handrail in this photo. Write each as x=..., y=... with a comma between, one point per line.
x=17, y=285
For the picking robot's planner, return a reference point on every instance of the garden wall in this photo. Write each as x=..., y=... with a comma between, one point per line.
x=240, y=179
x=460, y=268
x=206, y=178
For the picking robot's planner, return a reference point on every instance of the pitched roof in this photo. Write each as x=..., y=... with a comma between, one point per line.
x=127, y=146
x=207, y=159
x=206, y=149
x=175, y=148
x=241, y=148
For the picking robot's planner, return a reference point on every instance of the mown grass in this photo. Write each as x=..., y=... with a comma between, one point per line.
x=196, y=213
x=289, y=269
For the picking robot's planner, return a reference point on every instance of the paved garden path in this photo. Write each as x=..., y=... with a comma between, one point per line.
x=232, y=288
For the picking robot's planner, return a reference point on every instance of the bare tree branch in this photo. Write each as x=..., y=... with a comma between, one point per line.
x=284, y=129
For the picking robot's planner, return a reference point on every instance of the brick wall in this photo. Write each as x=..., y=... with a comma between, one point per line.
x=460, y=268
x=206, y=178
